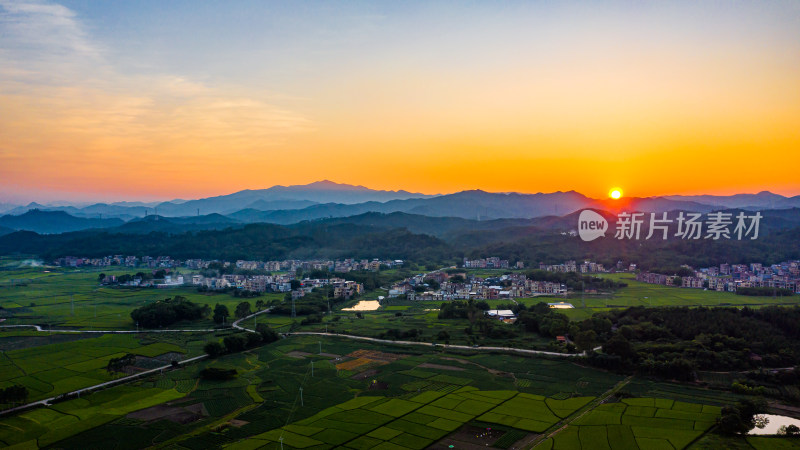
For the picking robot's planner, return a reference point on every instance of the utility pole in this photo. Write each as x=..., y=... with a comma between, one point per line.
x=320, y=347
x=301, y=396
x=583, y=290
x=281, y=439
x=294, y=313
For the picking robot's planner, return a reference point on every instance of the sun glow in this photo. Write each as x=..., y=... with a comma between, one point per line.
x=615, y=193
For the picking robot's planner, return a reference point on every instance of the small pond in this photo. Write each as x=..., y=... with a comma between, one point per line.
x=365, y=305
x=775, y=422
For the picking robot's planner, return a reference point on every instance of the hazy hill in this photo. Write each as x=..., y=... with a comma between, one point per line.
x=49, y=222
x=762, y=200
x=318, y=192
x=176, y=225
x=325, y=199
x=434, y=226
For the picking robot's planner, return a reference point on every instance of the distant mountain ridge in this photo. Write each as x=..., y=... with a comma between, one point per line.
x=51, y=222
x=761, y=200
x=325, y=199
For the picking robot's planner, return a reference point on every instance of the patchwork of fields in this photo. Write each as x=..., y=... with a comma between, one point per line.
x=54, y=369
x=646, y=423
x=392, y=423
x=412, y=400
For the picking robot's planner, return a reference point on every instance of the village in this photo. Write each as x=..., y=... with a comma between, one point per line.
x=732, y=277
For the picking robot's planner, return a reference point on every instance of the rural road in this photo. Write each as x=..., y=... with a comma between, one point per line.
x=425, y=344
x=47, y=401
x=239, y=327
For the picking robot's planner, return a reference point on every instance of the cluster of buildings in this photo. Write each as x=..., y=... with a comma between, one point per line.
x=254, y=283
x=345, y=265
x=137, y=281
x=119, y=260
x=572, y=266
x=463, y=286
x=279, y=283
x=276, y=282
x=341, y=288
x=492, y=262
x=730, y=277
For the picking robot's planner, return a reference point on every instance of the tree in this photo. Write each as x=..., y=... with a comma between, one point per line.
x=295, y=284
x=116, y=365
x=741, y=417
x=268, y=335
x=619, y=346
x=217, y=374
x=13, y=394
x=789, y=430
x=220, y=313
x=444, y=336
x=101, y=277
x=585, y=340
x=235, y=343
x=260, y=304
x=243, y=309
x=168, y=311
x=214, y=349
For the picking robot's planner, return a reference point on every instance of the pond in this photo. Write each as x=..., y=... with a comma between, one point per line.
x=775, y=422
x=365, y=305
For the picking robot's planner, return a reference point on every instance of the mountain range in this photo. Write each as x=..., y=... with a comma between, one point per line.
x=286, y=205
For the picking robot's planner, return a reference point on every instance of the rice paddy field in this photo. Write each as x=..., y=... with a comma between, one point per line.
x=357, y=395
x=72, y=298
x=49, y=365
x=637, y=423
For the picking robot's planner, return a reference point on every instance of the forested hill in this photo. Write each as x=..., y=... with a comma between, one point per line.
x=257, y=241
x=324, y=239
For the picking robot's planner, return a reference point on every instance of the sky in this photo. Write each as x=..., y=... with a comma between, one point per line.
x=155, y=100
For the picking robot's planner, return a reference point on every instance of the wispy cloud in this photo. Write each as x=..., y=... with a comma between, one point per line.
x=63, y=101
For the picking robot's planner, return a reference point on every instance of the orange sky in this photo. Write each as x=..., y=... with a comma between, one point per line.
x=529, y=98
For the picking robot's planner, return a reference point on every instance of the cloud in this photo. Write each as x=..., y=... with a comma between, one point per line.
x=62, y=101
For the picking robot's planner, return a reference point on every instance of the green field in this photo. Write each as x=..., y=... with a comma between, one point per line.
x=644, y=294
x=415, y=423
x=51, y=365
x=423, y=395
x=637, y=423
x=73, y=298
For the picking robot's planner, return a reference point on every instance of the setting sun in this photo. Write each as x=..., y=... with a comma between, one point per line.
x=615, y=193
